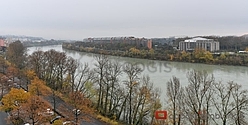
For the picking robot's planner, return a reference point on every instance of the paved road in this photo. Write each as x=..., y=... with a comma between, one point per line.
x=63, y=107
x=3, y=117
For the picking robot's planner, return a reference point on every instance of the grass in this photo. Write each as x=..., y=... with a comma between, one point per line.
x=107, y=120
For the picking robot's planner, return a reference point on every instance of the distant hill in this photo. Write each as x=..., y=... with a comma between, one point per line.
x=245, y=36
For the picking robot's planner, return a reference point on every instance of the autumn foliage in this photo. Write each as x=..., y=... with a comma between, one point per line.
x=14, y=99
x=34, y=110
x=38, y=87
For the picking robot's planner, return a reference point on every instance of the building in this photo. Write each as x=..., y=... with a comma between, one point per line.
x=198, y=42
x=2, y=43
x=149, y=44
x=138, y=42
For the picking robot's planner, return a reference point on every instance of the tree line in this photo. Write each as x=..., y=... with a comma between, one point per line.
x=131, y=101
x=163, y=52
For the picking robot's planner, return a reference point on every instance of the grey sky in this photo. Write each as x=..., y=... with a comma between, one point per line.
x=78, y=19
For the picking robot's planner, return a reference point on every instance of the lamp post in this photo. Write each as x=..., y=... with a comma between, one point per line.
x=17, y=105
x=77, y=113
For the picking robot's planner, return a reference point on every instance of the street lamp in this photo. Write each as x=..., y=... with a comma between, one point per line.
x=77, y=113
x=17, y=105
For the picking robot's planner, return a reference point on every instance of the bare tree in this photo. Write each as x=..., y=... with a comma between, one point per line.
x=102, y=61
x=35, y=61
x=230, y=102
x=240, y=103
x=71, y=67
x=175, y=96
x=144, y=102
x=111, y=80
x=84, y=75
x=156, y=103
x=132, y=71
x=196, y=97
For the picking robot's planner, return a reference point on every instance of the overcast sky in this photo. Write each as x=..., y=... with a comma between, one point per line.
x=78, y=19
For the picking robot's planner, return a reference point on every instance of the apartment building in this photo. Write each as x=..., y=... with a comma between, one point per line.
x=138, y=42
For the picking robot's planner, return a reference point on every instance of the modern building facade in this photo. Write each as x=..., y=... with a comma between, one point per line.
x=198, y=42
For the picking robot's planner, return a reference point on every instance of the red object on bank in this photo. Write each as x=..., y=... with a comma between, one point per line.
x=160, y=114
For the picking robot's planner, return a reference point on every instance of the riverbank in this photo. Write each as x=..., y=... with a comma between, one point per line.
x=197, y=56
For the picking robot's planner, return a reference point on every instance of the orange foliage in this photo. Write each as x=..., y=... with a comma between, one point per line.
x=38, y=87
x=34, y=110
x=30, y=74
x=14, y=99
x=12, y=71
x=78, y=100
x=134, y=51
x=79, y=104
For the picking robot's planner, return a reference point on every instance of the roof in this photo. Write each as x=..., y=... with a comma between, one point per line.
x=196, y=39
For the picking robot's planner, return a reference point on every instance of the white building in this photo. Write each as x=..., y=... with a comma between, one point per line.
x=198, y=42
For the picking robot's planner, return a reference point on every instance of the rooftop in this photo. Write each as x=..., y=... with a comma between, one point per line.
x=196, y=39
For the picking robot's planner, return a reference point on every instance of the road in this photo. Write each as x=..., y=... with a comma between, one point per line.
x=65, y=109
x=3, y=117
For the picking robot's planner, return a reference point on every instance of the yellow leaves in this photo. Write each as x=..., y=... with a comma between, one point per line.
x=151, y=51
x=12, y=71
x=14, y=98
x=58, y=122
x=209, y=56
x=78, y=100
x=246, y=49
x=222, y=56
x=38, y=87
x=171, y=57
x=134, y=51
x=203, y=55
x=185, y=56
x=107, y=120
x=37, y=103
x=31, y=74
x=35, y=108
x=25, y=105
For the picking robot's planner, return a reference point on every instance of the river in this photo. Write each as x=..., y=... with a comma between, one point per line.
x=162, y=71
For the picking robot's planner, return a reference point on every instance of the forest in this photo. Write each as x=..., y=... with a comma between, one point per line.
x=38, y=87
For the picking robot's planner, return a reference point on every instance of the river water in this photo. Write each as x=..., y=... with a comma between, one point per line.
x=161, y=72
